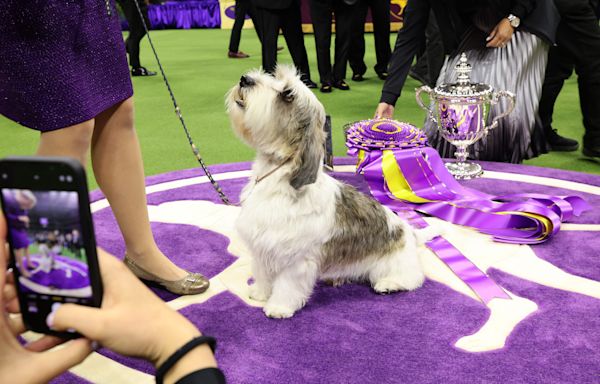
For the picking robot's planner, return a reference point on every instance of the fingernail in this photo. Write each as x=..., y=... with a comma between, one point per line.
x=50, y=320
x=50, y=317
x=488, y=38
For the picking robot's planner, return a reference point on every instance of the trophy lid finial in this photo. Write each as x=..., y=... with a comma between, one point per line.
x=464, y=69
x=463, y=86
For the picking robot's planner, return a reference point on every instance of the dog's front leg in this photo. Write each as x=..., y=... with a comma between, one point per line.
x=263, y=281
x=291, y=289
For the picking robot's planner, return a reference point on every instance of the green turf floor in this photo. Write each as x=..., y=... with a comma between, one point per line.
x=200, y=74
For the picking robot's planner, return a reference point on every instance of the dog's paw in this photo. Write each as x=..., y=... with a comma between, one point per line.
x=385, y=286
x=257, y=293
x=428, y=233
x=389, y=285
x=278, y=311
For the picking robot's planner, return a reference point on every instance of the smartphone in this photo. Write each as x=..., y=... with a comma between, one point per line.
x=51, y=235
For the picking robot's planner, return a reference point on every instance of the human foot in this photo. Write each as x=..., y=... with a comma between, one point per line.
x=160, y=270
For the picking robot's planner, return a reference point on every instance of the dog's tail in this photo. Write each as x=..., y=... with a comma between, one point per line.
x=428, y=233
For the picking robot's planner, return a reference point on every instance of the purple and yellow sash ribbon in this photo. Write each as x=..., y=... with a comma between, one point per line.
x=409, y=177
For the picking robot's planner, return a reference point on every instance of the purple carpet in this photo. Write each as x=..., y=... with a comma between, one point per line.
x=351, y=335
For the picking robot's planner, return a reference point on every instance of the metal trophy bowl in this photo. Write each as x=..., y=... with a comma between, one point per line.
x=460, y=111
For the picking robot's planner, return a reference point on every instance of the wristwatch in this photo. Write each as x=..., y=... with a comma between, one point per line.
x=514, y=21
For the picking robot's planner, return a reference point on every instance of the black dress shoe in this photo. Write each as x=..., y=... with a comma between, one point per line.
x=326, y=88
x=592, y=152
x=237, y=55
x=309, y=83
x=341, y=84
x=382, y=75
x=357, y=77
x=141, y=71
x=559, y=143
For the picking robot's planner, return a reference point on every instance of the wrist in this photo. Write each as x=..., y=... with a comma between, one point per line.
x=514, y=21
x=171, y=343
x=200, y=357
x=169, y=340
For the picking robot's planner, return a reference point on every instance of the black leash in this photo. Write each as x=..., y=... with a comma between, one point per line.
x=195, y=149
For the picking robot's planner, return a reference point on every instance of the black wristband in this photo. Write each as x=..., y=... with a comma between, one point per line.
x=178, y=354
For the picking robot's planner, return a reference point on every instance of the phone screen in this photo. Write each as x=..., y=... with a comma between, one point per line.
x=45, y=236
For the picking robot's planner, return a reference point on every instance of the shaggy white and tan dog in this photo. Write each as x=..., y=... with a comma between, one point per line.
x=299, y=223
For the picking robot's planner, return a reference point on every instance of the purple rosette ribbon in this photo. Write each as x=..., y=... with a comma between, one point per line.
x=409, y=177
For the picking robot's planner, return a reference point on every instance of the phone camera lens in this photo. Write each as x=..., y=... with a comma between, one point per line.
x=61, y=178
x=4, y=176
x=36, y=177
x=69, y=178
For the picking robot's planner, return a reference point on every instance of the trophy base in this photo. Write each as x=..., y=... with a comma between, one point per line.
x=464, y=170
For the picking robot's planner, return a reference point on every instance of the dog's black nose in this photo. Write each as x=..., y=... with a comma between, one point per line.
x=246, y=81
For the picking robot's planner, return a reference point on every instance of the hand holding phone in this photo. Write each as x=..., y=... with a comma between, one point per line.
x=58, y=282
x=16, y=360
x=51, y=237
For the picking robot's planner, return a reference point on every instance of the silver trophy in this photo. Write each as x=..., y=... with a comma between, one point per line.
x=460, y=111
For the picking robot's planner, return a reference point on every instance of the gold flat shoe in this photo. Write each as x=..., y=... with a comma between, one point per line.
x=192, y=284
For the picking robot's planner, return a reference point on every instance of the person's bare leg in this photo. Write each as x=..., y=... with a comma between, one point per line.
x=117, y=163
x=20, y=255
x=28, y=259
x=73, y=141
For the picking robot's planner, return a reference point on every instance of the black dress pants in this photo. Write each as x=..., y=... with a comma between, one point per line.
x=321, y=14
x=578, y=47
x=242, y=8
x=290, y=22
x=136, y=29
x=380, y=14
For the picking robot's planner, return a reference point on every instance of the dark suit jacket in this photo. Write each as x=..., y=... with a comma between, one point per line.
x=273, y=4
x=543, y=20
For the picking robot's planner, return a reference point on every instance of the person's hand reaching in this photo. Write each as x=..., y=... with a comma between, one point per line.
x=384, y=111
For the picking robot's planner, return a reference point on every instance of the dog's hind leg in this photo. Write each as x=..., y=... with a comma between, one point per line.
x=399, y=271
x=291, y=289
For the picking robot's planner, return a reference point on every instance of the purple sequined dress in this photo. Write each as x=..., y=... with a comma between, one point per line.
x=18, y=229
x=61, y=62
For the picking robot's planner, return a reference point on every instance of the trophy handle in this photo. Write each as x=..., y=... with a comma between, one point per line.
x=429, y=91
x=511, y=97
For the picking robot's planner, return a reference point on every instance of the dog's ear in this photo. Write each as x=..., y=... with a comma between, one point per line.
x=307, y=161
x=287, y=95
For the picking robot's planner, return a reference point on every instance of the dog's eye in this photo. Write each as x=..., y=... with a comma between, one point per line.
x=287, y=95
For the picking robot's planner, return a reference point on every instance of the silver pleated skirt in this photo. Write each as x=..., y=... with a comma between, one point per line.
x=519, y=67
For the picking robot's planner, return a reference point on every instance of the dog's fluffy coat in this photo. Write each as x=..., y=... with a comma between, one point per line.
x=299, y=223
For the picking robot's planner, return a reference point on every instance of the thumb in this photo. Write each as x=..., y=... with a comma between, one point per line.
x=55, y=362
x=492, y=34
x=88, y=321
